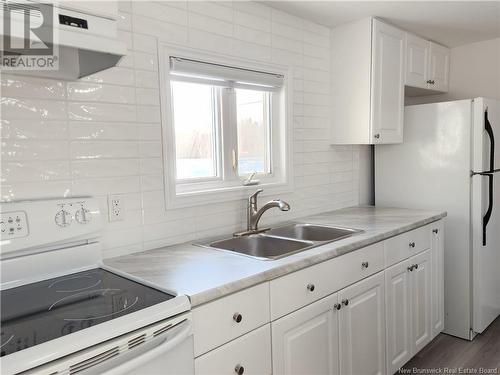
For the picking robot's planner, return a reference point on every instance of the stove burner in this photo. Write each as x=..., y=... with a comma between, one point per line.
x=76, y=283
x=125, y=308
x=105, y=303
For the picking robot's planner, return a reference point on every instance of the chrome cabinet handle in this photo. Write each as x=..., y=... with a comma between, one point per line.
x=239, y=369
x=376, y=136
x=410, y=268
x=364, y=265
x=435, y=231
x=345, y=302
x=310, y=287
x=337, y=306
x=237, y=317
x=416, y=266
x=412, y=244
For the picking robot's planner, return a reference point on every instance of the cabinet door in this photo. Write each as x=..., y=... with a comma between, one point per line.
x=398, y=330
x=362, y=327
x=387, y=91
x=306, y=341
x=420, y=310
x=437, y=278
x=439, y=67
x=417, y=61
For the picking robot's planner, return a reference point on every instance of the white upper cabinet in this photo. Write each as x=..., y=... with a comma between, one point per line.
x=387, y=99
x=439, y=67
x=427, y=66
x=368, y=65
x=417, y=61
x=371, y=63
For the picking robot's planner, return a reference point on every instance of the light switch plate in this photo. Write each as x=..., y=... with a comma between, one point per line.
x=116, y=207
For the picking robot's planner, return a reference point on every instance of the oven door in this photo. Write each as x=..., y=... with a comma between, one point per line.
x=169, y=353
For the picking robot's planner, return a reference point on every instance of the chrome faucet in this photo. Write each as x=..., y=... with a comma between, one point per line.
x=254, y=214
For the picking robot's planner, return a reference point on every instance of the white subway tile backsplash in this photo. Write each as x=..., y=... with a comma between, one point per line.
x=146, y=61
x=163, y=30
x=144, y=43
x=17, y=150
x=160, y=11
x=32, y=109
x=33, y=171
x=252, y=21
x=31, y=87
x=102, y=134
x=89, y=150
x=101, y=112
x=96, y=92
x=85, y=130
x=32, y=129
x=211, y=25
x=105, y=168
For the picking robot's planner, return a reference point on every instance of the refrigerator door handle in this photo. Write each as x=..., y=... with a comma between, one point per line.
x=489, y=131
x=487, y=215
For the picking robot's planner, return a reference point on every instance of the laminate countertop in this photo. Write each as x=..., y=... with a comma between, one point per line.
x=205, y=274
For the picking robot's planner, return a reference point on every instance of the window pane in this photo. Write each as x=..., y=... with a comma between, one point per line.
x=195, y=134
x=252, y=113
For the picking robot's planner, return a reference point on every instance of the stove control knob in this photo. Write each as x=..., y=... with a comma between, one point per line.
x=83, y=215
x=63, y=218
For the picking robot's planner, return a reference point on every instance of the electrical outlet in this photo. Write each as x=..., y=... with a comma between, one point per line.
x=116, y=207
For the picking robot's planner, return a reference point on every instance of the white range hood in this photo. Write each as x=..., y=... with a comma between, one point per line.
x=85, y=43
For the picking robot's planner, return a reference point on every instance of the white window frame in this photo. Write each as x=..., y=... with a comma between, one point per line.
x=203, y=192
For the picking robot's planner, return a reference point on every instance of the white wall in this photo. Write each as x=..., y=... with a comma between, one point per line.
x=102, y=135
x=474, y=71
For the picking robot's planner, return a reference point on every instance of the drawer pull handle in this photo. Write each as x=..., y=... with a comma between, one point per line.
x=310, y=287
x=345, y=302
x=237, y=317
x=337, y=306
x=364, y=265
x=435, y=231
x=410, y=268
x=239, y=369
x=415, y=265
x=412, y=244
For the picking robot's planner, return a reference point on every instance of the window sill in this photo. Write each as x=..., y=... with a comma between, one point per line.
x=233, y=193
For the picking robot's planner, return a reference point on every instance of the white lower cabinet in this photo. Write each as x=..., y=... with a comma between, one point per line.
x=398, y=337
x=362, y=327
x=408, y=306
x=307, y=341
x=249, y=355
x=390, y=307
x=437, y=283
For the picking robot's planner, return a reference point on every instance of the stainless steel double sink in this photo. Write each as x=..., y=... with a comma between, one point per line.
x=282, y=241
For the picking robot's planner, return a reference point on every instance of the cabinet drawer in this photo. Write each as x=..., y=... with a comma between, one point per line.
x=407, y=244
x=290, y=292
x=227, y=318
x=252, y=352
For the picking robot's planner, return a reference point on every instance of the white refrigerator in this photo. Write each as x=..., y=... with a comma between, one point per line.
x=449, y=161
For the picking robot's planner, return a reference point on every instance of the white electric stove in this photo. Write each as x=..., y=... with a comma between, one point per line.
x=63, y=311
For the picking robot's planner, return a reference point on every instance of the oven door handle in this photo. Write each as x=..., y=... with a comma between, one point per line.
x=127, y=365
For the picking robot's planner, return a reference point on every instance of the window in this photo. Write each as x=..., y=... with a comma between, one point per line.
x=224, y=125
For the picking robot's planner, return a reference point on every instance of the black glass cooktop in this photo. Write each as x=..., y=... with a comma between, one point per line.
x=35, y=313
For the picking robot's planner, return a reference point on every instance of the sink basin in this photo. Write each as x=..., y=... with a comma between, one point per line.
x=262, y=246
x=312, y=232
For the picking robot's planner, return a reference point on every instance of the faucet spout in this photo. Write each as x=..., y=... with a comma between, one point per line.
x=254, y=214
